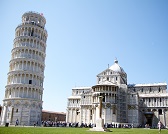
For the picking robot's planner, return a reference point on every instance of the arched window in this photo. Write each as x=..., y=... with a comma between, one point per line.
x=142, y=90
x=32, y=32
x=114, y=110
x=159, y=89
x=103, y=99
x=143, y=99
x=160, y=111
x=30, y=81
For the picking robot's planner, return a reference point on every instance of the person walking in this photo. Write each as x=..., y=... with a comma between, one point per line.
x=17, y=122
x=34, y=124
x=159, y=126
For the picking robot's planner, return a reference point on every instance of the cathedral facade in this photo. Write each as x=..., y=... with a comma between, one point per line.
x=135, y=104
x=24, y=89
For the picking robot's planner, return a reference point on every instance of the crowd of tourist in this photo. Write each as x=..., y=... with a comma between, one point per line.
x=53, y=124
x=64, y=124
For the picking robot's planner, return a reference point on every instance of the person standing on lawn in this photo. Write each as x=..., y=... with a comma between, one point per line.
x=159, y=126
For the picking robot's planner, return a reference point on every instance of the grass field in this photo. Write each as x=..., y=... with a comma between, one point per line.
x=62, y=130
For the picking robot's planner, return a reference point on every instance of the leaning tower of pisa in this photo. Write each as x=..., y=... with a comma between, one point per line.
x=24, y=89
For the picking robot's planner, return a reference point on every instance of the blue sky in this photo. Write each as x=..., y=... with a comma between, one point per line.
x=84, y=36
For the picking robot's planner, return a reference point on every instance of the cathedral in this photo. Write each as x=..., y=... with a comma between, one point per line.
x=137, y=104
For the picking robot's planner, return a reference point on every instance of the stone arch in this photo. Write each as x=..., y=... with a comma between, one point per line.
x=26, y=52
x=28, y=65
x=33, y=104
x=34, y=45
x=33, y=93
x=38, y=44
x=38, y=80
x=154, y=110
x=31, y=41
x=29, y=31
x=26, y=104
x=33, y=54
x=9, y=103
x=160, y=111
x=21, y=92
x=28, y=40
x=17, y=103
x=32, y=31
x=36, y=32
x=26, y=33
x=149, y=110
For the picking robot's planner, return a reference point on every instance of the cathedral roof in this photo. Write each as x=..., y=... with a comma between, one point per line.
x=149, y=84
x=81, y=88
x=116, y=67
x=74, y=97
x=106, y=83
x=46, y=111
x=154, y=95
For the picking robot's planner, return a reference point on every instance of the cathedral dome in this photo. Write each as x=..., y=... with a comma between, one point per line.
x=116, y=67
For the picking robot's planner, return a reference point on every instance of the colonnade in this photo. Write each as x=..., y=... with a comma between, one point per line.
x=28, y=53
x=108, y=97
x=30, y=30
x=33, y=66
x=25, y=78
x=30, y=42
x=74, y=102
x=82, y=115
x=102, y=88
x=24, y=92
x=86, y=100
x=155, y=101
x=108, y=92
x=149, y=88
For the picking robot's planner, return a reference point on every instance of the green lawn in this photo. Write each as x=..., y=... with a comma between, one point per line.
x=62, y=130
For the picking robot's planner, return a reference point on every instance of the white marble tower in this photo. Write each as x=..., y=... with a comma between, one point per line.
x=24, y=89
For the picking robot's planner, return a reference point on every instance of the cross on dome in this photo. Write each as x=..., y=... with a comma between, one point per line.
x=116, y=67
x=115, y=61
